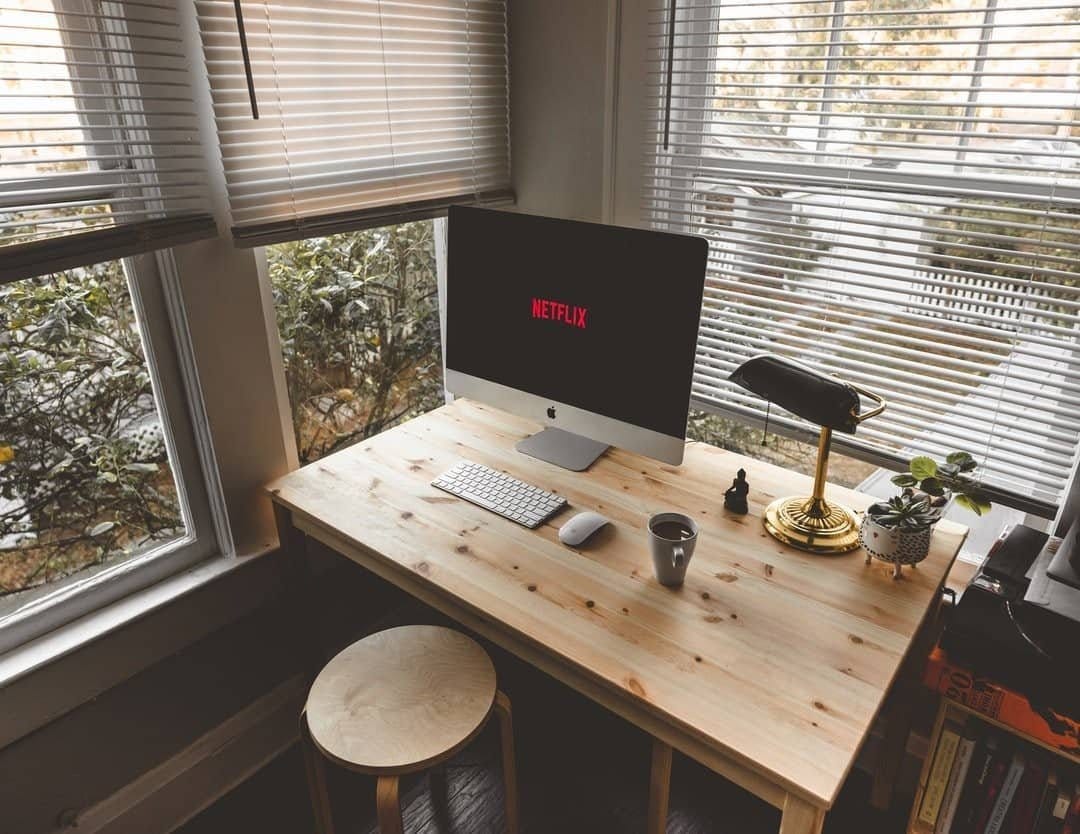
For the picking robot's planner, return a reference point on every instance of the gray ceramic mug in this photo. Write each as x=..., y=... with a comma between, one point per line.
x=672, y=537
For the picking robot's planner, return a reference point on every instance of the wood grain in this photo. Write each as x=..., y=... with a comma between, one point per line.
x=774, y=659
x=401, y=700
x=659, y=788
x=800, y=817
x=388, y=806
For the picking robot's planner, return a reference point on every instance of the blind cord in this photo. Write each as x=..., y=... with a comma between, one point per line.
x=247, y=59
x=670, y=74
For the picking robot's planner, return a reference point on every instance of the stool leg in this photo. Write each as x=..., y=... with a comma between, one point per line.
x=316, y=778
x=506, y=734
x=440, y=803
x=389, y=809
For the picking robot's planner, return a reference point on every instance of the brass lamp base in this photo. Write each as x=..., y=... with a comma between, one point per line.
x=812, y=524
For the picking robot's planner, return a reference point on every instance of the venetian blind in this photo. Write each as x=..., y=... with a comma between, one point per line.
x=891, y=192
x=99, y=151
x=369, y=112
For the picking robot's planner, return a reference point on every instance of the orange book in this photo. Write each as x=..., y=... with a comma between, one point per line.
x=1006, y=705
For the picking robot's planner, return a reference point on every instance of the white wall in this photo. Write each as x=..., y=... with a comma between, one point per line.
x=559, y=83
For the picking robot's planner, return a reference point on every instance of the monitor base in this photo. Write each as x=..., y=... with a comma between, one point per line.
x=570, y=451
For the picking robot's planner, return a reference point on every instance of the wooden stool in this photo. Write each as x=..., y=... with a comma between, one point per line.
x=398, y=702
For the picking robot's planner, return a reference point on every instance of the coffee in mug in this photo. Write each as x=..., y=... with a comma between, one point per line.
x=672, y=538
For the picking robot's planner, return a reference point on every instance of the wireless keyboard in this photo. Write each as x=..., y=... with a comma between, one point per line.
x=496, y=491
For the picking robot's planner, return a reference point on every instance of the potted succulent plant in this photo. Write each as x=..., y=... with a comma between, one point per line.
x=898, y=530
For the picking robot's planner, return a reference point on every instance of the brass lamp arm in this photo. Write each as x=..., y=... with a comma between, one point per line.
x=870, y=395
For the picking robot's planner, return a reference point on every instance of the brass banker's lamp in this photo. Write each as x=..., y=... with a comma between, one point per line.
x=810, y=522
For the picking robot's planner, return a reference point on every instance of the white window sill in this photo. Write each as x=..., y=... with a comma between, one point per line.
x=70, y=638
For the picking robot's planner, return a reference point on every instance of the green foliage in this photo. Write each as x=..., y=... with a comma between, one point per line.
x=906, y=512
x=77, y=485
x=954, y=478
x=359, y=322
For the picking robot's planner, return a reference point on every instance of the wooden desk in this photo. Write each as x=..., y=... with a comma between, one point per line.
x=768, y=665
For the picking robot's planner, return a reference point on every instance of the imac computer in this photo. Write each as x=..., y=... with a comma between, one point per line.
x=591, y=330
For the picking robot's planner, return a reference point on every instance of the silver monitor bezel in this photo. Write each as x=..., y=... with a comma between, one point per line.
x=654, y=444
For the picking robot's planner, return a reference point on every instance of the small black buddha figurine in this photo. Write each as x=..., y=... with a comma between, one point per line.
x=735, y=497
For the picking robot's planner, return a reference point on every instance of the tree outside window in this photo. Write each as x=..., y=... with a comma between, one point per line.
x=358, y=316
x=85, y=478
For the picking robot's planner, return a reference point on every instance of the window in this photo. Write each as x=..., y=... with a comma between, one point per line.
x=358, y=317
x=102, y=488
x=95, y=483
x=891, y=192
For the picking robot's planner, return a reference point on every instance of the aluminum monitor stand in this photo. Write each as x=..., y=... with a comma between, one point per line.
x=563, y=448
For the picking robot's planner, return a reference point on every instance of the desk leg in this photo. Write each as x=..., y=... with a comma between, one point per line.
x=659, y=787
x=905, y=695
x=893, y=745
x=294, y=543
x=800, y=817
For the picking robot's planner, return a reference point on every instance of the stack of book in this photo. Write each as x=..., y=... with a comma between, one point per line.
x=1046, y=723
x=985, y=781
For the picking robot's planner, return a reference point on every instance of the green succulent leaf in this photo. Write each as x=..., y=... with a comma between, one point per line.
x=905, y=480
x=905, y=512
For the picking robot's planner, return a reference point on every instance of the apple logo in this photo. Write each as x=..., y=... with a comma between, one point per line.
x=551, y=412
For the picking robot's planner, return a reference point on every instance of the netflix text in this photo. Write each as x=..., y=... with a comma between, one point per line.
x=569, y=314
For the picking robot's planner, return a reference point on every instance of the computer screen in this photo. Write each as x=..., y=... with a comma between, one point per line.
x=599, y=317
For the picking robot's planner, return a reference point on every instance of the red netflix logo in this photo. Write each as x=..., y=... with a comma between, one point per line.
x=570, y=314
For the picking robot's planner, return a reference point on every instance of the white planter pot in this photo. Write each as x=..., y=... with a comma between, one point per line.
x=897, y=547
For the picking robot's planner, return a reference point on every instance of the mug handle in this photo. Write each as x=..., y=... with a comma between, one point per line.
x=678, y=556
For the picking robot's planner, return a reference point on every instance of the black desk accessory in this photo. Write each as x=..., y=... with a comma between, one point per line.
x=1022, y=646
x=735, y=496
x=810, y=522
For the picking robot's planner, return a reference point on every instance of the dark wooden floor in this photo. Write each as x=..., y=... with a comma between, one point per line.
x=581, y=770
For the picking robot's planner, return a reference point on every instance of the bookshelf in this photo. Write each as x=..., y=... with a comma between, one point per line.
x=950, y=711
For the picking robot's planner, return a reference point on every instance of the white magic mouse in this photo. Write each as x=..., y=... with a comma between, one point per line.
x=581, y=527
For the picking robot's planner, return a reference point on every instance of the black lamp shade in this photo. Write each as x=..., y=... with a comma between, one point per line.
x=806, y=393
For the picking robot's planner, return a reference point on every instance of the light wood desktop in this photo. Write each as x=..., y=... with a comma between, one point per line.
x=768, y=666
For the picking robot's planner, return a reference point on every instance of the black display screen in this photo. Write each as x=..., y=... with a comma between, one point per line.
x=599, y=317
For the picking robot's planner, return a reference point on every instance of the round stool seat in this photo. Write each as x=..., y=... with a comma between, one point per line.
x=401, y=700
